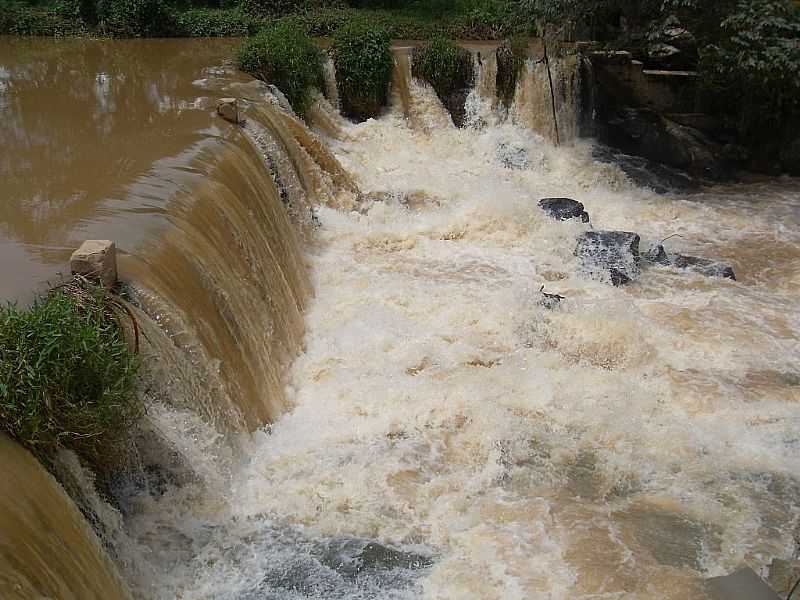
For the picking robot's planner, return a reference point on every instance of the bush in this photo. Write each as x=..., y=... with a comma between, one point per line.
x=276, y=8
x=20, y=19
x=450, y=70
x=136, y=18
x=215, y=22
x=285, y=56
x=363, y=58
x=511, y=57
x=67, y=376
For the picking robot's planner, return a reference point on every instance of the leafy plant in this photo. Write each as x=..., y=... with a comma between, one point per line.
x=449, y=69
x=136, y=18
x=363, y=59
x=67, y=376
x=752, y=72
x=286, y=57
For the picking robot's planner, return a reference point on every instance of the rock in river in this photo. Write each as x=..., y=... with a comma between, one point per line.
x=562, y=209
x=614, y=254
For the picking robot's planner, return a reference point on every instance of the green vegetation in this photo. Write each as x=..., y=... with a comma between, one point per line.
x=363, y=58
x=752, y=69
x=449, y=69
x=511, y=58
x=67, y=376
x=286, y=57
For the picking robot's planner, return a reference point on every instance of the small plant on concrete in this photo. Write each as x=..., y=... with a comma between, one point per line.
x=286, y=57
x=363, y=58
x=450, y=70
x=68, y=376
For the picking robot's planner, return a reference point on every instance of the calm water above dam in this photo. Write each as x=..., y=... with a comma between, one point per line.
x=360, y=395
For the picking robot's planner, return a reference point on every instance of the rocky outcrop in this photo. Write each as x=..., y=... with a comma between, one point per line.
x=671, y=46
x=610, y=255
x=563, y=209
x=645, y=133
x=550, y=301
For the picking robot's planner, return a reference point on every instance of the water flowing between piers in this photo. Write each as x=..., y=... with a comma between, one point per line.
x=440, y=433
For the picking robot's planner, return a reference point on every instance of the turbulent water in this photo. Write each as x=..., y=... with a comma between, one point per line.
x=444, y=435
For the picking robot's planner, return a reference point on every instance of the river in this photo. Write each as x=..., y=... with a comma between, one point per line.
x=358, y=393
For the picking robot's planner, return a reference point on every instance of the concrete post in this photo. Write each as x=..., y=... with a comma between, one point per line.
x=96, y=260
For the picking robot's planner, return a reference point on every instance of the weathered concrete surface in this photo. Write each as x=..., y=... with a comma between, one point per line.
x=96, y=260
x=228, y=109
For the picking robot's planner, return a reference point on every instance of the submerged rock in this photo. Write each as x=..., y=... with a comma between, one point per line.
x=352, y=556
x=563, y=209
x=512, y=156
x=657, y=255
x=703, y=266
x=550, y=301
x=614, y=254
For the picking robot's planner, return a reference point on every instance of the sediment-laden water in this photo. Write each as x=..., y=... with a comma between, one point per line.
x=441, y=434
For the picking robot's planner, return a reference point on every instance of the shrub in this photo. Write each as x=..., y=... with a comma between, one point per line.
x=511, y=57
x=67, y=376
x=215, y=22
x=363, y=58
x=136, y=18
x=17, y=18
x=450, y=70
x=285, y=56
x=275, y=8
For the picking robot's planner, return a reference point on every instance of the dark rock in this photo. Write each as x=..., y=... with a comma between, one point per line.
x=550, y=301
x=352, y=556
x=512, y=156
x=656, y=254
x=646, y=173
x=643, y=132
x=614, y=254
x=703, y=266
x=562, y=209
x=672, y=46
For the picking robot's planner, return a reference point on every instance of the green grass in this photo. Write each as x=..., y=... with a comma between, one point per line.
x=286, y=57
x=363, y=58
x=68, y=376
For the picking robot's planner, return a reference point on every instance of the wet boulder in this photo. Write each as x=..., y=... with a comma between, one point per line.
x=611, y=254
x=351, y=557
x=563, y=209
x=657, y=255
x=703, y=266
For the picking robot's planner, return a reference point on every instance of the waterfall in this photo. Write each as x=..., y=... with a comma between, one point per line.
x=355, y=391
x=46, y=548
